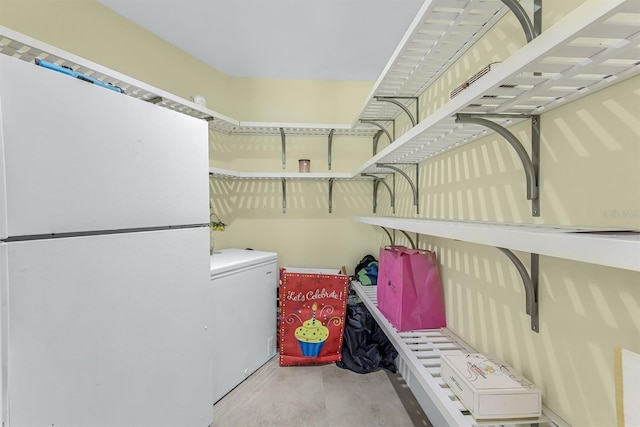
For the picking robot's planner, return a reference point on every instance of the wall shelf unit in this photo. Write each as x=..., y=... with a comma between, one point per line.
x=440, y=33
x=607, y=247
x=284, y=176
x=419, y=362
x=231, y=174
x=594, y=46
x=611, y=248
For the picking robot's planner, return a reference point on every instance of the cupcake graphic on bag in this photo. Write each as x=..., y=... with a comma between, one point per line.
x=312, y=335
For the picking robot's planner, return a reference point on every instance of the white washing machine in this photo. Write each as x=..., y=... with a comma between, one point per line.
x=244, y=309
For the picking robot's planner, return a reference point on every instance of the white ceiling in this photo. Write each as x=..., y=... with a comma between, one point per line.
x=292, y=39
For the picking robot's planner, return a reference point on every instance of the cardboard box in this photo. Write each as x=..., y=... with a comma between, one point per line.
x=489, y=389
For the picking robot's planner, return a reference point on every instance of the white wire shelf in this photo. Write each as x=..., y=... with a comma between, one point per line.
x=226, y=173
x=439, y=34
x=596, y=45
x=420, y=352
x=611, y=248
x=303, y=129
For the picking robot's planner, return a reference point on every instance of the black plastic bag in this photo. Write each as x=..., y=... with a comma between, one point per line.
x=365, y=348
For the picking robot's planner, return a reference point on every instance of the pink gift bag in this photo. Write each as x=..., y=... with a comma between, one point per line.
x=409, y=289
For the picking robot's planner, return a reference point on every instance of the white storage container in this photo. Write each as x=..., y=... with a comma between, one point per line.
x=489, y=389
x=244, y=312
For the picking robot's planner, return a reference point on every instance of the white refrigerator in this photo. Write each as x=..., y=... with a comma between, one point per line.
x=104, y=257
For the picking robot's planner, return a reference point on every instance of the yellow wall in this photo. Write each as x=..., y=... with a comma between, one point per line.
x=589, y=176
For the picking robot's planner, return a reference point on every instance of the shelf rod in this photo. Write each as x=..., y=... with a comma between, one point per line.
x=284, y=148
x=530, y=285
x=394, y=100
x=414, y=187
x=330, y=147
x=531, y=167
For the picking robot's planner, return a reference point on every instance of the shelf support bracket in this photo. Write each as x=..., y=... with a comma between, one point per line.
x=414, y=187
x=330, y=147
x=531, y=29
x=284, y=148
x=331, y=195
x=391, y=239
x=376, y=184
x=284, y=195
x=394, y=100
x=531, y=165
x=530, y=285
x=377, y=136
x=413, y=244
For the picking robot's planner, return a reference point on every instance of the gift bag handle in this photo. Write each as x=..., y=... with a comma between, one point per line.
x=405, y=250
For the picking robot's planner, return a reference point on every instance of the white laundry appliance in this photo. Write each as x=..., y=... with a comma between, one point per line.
x=244, y=308
x=104, y=255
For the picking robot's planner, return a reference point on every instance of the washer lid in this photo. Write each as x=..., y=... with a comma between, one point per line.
x=226, y=260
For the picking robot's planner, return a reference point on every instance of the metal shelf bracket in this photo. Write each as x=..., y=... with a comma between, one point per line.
x=414, y=186
x=391, y=239
x=531, y=165
x=376, y=138
x=376, y=184
x=331, y=195
x=531, y=29
x=394, y=100
x=413, y=244
x=530, y=285
x=382, y=129
x=330, y=147
x=284, y=148
x=284, y=195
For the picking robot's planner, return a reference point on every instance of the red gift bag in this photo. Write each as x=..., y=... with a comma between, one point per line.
x=409, y=289
x=312, y=315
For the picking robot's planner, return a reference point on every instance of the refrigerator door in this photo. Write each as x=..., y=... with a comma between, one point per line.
x=110, y=330
x=76, y=157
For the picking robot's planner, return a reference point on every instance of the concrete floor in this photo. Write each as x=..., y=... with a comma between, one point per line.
x=322, y=396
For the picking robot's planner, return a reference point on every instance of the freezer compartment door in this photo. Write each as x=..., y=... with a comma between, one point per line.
x=78, y=157
x=110, y=330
